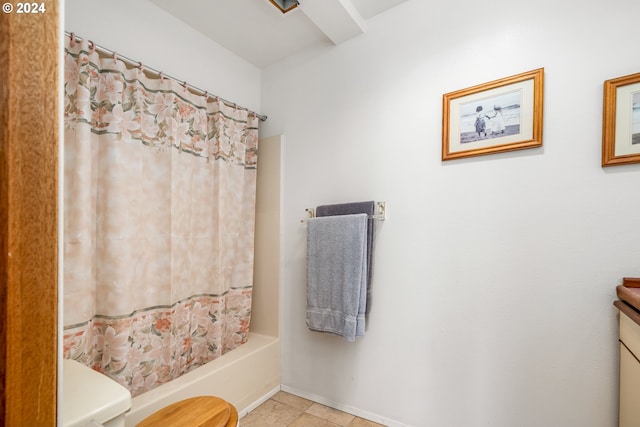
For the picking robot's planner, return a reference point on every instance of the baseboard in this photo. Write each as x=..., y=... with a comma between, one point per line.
x=345, y=408
x=258, y=402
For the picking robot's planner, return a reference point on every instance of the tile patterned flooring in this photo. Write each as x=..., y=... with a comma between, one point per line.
x=288, y=410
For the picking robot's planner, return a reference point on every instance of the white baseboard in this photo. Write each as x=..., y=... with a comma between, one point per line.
x=345, y=408
x=258, y=402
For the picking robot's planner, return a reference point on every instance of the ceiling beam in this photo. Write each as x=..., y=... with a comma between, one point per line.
x=339, y=20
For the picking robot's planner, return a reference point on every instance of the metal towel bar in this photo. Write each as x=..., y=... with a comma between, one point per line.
x=380, y=215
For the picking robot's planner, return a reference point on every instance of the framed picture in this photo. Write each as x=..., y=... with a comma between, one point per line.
x=621, y=121
x=502, y=115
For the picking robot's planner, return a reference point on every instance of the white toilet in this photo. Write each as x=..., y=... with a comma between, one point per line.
x=91, y=399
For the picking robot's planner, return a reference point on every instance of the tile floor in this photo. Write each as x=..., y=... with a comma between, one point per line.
x=288, y=410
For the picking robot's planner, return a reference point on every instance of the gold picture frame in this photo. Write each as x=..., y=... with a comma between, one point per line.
x=621, y=121
x=494, y=117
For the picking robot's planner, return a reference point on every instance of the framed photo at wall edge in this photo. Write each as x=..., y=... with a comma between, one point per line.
x=498, y=116
x=621, y=121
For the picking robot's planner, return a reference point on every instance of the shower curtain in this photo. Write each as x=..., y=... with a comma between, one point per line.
x=159, y=209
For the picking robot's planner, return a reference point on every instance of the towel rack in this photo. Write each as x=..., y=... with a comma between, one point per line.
x=380, y=215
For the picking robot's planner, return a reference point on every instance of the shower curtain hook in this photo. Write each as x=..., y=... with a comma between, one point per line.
x=115, y=57
x=72, y=42
x=184, y=85
x=141, y=67
x=92, y=47
x=161, y=77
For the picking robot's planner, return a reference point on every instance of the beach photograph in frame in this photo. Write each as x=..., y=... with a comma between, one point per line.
x=621, y=121
x=498, y=116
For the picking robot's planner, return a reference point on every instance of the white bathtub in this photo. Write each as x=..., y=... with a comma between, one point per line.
x=245, y=377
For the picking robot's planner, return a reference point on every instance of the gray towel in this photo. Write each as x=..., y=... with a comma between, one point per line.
x=337, y=274
x=367, y=207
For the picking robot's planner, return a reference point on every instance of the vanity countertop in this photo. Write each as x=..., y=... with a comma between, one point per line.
x=629, y=294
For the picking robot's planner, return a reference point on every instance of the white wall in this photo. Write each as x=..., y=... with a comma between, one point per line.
x=494, y=277
x=143, y=32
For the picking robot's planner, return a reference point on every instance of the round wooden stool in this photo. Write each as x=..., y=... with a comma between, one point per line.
x=201, y=411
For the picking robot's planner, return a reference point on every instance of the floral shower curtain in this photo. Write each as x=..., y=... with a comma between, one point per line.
x=159, y=199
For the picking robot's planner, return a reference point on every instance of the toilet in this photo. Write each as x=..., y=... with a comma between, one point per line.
x=200, y=411
x=90, y=398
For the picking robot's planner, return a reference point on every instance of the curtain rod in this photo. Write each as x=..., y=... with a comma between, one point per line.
x=160, y=74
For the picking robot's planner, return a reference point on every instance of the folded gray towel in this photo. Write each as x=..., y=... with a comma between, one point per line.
x=336, y=274
x=368, y=207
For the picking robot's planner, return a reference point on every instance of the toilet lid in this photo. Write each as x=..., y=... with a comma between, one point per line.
x=201, y=411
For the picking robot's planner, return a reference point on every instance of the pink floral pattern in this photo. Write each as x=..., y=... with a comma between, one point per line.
x=123, y=102
x=156, y=345
x=159, y=216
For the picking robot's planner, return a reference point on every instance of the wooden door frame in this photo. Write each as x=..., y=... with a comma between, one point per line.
x=29, y=121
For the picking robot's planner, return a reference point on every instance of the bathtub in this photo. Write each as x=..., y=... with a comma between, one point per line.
x=244, y=377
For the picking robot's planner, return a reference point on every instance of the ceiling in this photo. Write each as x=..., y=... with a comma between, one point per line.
x=261, y=34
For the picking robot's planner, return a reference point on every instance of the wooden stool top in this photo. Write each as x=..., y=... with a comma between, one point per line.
x=201, y=411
